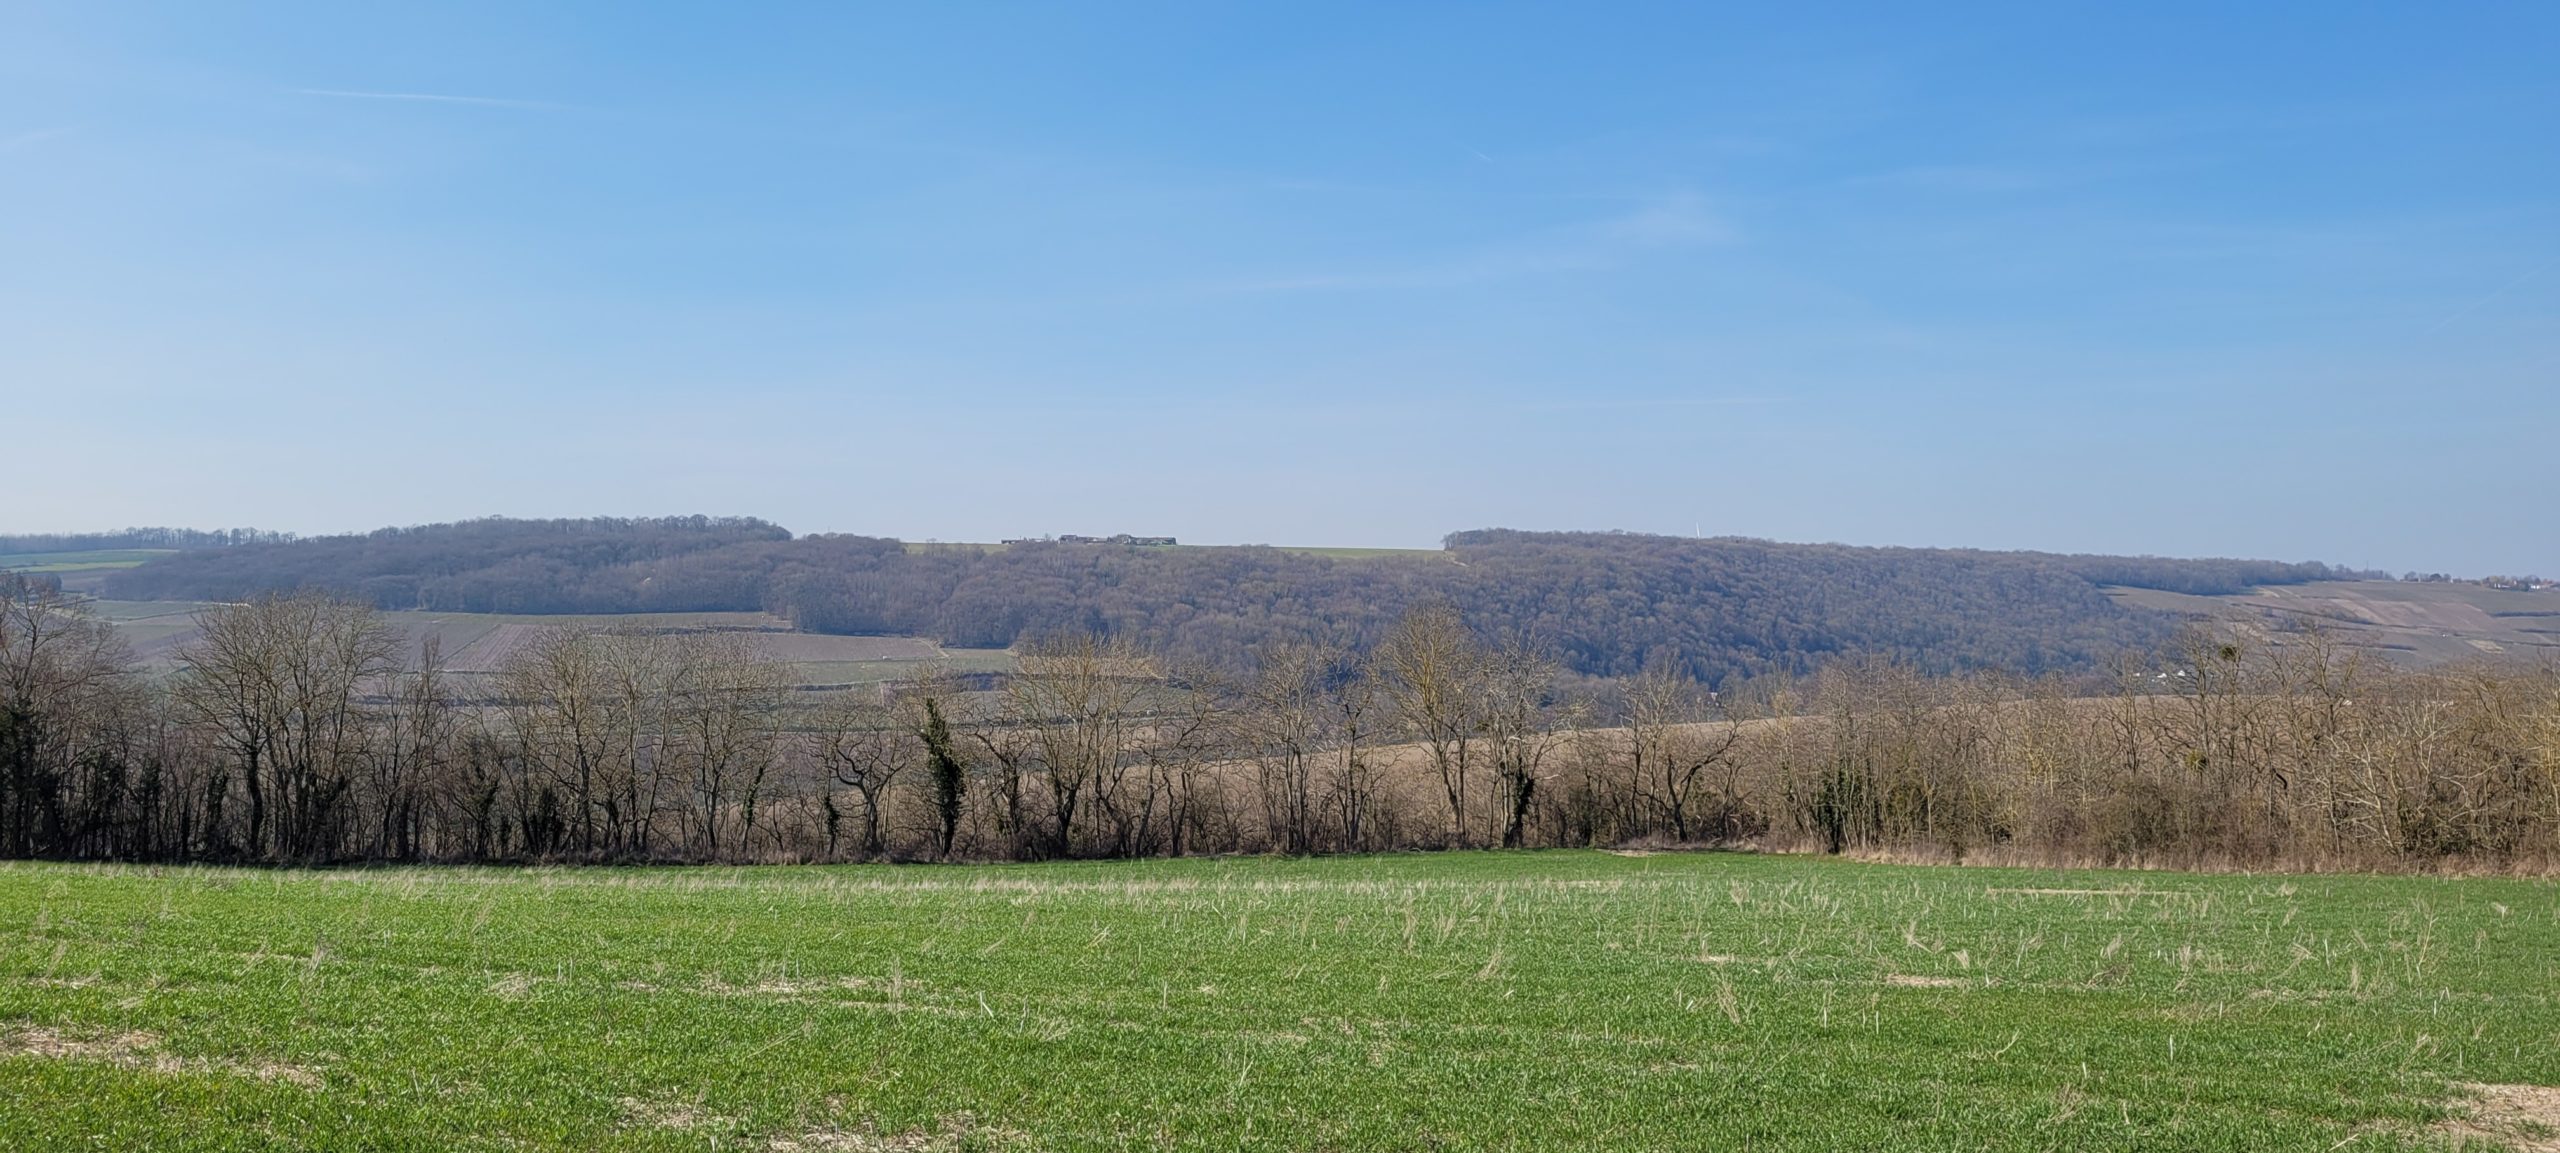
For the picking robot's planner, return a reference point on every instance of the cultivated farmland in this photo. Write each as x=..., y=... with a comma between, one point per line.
x=1521, y=1001
x=2407, y=622
x=478, y=644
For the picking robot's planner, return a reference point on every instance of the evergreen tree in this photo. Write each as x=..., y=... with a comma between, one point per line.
x=949, y=780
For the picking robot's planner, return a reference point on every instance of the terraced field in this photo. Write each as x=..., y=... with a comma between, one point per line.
x=2406, y=621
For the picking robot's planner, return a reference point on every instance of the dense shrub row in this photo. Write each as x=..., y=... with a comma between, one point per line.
x=295, y=731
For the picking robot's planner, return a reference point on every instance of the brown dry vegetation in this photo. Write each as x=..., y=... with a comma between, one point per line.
x=2522, y=1118
x=297, y=730
x=135, y=1049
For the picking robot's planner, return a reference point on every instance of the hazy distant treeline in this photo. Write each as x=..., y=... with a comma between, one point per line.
x=174, y=538
x=292, y=733
x=1610, y=604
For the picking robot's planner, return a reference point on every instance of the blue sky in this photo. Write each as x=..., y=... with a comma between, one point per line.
x=2155, y=278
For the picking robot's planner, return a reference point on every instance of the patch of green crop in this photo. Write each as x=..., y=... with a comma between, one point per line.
x=1464, y=1001
x=91, y=560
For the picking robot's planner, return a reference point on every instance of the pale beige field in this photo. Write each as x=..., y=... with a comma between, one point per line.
x=2408, y=622
x=477, y=644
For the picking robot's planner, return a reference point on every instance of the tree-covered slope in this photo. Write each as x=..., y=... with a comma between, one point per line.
x=1609, y=602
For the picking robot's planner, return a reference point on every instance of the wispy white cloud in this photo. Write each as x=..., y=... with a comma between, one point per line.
x=31, y=139
x=425, y=98
x=1667, y=222
x=1659, y=223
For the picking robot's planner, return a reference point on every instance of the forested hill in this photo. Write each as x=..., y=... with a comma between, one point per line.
x=1609, y=601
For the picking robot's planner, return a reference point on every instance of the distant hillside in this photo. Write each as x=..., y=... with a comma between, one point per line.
x=1610, y=602
x=603, y=564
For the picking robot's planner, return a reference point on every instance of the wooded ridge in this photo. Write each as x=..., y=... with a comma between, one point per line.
x=1609, y=604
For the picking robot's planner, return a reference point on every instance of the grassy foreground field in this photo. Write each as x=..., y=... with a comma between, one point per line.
x=1550, y=1000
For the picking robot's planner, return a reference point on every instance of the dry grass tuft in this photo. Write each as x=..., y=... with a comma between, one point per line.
x=1913, y=981
x=141, y=1051
x=682, y=1116
x=2524, y=1118
x=951, y=1134
x=2086, y=892
x=54, y=1044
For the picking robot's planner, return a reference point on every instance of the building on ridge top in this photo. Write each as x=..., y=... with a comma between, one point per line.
x=1118, y=538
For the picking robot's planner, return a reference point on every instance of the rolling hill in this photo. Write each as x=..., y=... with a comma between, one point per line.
x=1609, y=603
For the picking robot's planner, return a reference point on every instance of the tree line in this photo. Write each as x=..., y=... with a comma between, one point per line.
x=151, y=538
x=296, y=730
x=1611, y=604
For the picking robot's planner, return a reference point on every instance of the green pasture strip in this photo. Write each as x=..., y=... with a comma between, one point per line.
x=95, y=558
x=92, y=560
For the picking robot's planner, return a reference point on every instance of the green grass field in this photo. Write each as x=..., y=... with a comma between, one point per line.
x=93, y=560
x=1480, y=1001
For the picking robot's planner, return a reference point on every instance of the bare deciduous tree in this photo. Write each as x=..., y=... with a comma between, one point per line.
x=1676, y=737
x=1523, y=723
x=863, y=746
x=63, y=676
x=724, y=722
x=1075, y=697
x=559, y=688
x=1282, y=720
x=1433, y=670
x=282, y=682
